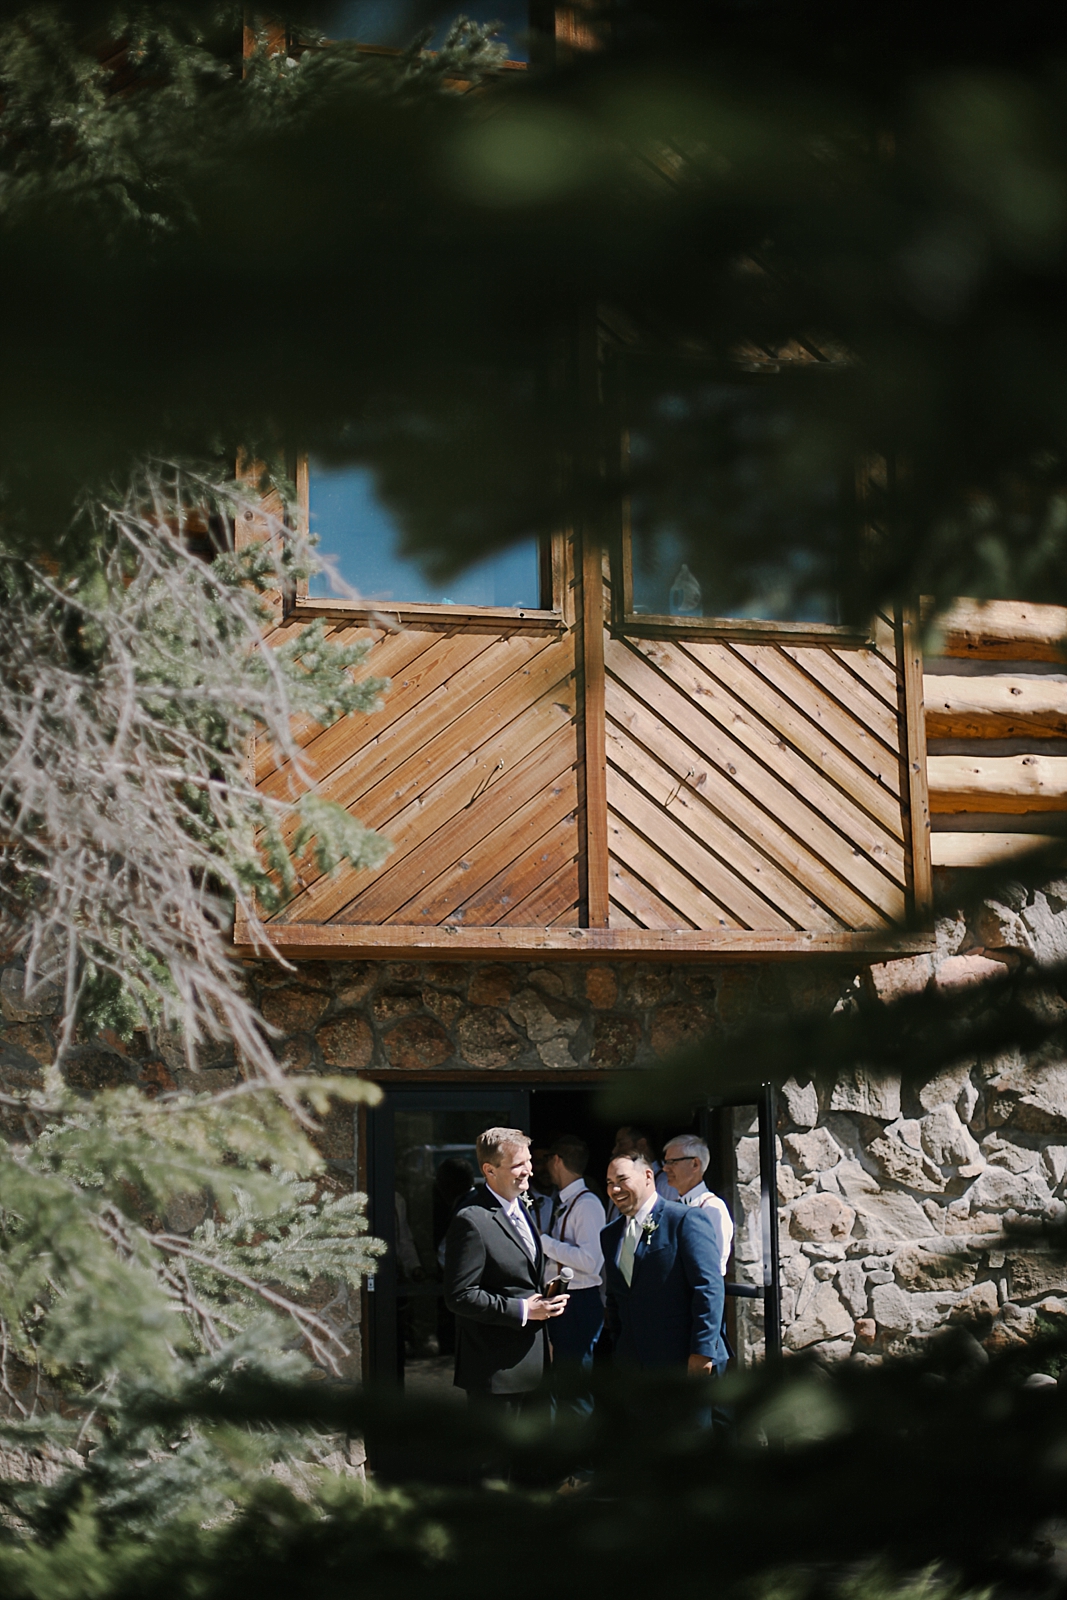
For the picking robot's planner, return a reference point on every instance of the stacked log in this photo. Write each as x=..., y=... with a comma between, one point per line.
x=1024, y=705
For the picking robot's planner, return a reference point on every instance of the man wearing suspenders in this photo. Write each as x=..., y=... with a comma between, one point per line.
x=573, y=1240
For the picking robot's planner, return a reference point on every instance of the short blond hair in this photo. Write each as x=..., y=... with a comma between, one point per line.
x=494, y=1141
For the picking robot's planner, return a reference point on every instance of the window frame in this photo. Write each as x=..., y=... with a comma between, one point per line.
x=552, y=577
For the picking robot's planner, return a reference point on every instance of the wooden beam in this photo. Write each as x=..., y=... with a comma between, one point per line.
x=988, y=849
x=995, y=708
x=594, y=735
x=352, y=942
x=1003, y=630
x=484, y=619
x=752, y=632
x=914, y=791
x=998, y=783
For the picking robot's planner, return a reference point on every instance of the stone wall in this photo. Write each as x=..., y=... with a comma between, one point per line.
x=893, y=1199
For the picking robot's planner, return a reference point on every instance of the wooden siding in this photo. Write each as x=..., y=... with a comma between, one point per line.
x=996, y=719
x=752, y=786
x=469, y=768
x=555, y=783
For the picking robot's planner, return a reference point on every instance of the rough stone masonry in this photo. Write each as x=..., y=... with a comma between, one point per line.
x=893, y=1200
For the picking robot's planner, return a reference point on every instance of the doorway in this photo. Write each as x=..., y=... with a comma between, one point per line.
x=421, y=1160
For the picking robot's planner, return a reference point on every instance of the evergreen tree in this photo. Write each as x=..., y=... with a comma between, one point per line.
x=144, y=1240
x=881, y=192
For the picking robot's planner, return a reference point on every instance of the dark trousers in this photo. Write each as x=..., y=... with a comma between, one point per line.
x=573, y=1336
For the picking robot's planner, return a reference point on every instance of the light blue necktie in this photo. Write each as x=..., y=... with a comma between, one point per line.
x=517, y=1217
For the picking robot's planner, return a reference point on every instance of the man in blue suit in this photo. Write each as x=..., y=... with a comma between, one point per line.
x=663, y=1277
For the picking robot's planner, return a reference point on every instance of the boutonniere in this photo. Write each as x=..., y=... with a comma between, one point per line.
x=648, y=1228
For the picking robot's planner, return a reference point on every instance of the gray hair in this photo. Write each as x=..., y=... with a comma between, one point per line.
x=689, y=1145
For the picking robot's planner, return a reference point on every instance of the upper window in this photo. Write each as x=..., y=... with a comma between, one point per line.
x=734, y=510
x=360, y=540
x=667, y=579
x=393, y=22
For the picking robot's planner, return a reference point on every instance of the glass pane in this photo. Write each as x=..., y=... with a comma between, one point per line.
x=393, y=22
x=357, y=532
x=665, y=585
x=739, y=504
x=435, y=1168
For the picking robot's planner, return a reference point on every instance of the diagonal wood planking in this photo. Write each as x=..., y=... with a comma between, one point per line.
x=469, y=770
x=752, y=785
x=749, y=785
x=391, y=656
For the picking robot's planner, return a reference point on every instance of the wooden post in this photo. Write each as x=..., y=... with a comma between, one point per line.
x=914, y=788
x=276, y=34
x=594, y=734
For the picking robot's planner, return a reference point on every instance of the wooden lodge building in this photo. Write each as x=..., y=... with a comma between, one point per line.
x=613, y=831
x=617, y=822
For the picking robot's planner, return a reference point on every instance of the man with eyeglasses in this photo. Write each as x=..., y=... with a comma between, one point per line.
x=685, y=1161
x=662, y=1276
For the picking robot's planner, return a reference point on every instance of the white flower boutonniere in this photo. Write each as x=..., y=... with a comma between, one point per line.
x=648, y=1228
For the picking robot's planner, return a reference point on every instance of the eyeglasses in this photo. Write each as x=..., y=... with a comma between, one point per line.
x=674, y=1161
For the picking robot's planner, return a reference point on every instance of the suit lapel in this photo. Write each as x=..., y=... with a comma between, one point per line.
x=504, y=1222
x=611, y=1251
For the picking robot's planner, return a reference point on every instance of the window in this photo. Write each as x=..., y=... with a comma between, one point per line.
x=664, y=584
x=392, y=23
x=361, y=541
x=735, y=516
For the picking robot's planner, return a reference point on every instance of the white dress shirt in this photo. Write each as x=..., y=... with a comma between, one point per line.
x=639, y=1218
x=705, y=1200
x=575, y=1237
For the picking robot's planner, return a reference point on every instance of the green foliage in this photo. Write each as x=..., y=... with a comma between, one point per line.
x=717, y=180
x=92, y=1282
x=890, y=1502
x=131, y=684
x=884, y=186
x=111, y=1287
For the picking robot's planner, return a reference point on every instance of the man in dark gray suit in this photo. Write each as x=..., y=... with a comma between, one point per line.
x=493, y=1276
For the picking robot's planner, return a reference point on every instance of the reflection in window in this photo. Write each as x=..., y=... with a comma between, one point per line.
x=665, y=584
x=393, y=22
x=362, y=540
x=738, y=505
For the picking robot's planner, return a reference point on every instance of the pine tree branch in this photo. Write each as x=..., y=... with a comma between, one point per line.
x=309, y=1324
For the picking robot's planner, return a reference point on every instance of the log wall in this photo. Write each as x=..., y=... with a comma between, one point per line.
x=995, y=693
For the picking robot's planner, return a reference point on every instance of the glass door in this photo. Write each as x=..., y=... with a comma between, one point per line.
x=421, y=1163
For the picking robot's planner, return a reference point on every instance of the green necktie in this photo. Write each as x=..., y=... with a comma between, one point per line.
x=627, y=1249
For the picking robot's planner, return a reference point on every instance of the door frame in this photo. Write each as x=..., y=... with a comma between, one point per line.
x=510, y=1102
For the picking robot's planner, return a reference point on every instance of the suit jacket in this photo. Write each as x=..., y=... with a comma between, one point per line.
x=487, y=1277
x=673, y=1307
